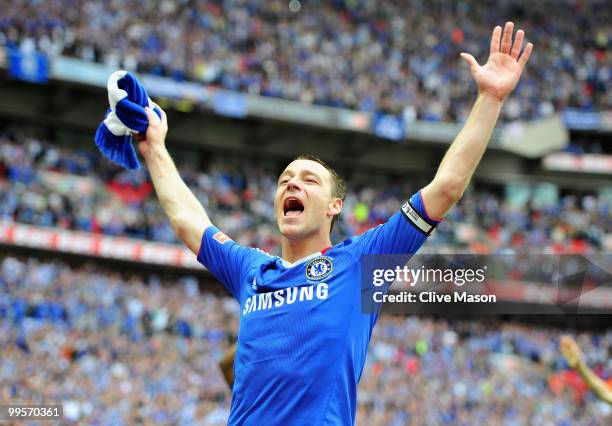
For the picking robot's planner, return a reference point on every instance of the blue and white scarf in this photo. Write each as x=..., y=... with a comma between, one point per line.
x=126, y=115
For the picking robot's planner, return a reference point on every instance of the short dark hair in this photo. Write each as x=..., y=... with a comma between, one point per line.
x=339, y=189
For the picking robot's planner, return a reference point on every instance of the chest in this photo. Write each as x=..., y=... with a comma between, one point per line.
x=315, y=295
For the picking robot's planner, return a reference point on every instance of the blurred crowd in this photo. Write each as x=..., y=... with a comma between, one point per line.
x=436, y=372
x=400, y=57
x=116, y=350
x=129, y=349
x=47, y=185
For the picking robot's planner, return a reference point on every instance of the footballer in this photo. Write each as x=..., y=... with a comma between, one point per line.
x=303, y=340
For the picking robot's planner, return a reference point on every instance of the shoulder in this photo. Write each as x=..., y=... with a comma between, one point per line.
x=258, y=256
x=351, y=244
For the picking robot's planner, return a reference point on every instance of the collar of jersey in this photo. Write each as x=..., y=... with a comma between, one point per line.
x=287, y=264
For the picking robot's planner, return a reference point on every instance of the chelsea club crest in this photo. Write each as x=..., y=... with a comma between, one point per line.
x=318, y=268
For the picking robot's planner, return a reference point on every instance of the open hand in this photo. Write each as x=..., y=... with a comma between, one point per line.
x=501, y=73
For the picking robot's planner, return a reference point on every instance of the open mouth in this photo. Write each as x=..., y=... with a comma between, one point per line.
x=292, y=207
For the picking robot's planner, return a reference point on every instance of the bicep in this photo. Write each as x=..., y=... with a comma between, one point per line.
x=403, y=233
x=191, y=231
x=225, y=259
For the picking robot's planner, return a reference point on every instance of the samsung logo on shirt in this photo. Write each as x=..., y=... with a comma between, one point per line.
x=288, y=296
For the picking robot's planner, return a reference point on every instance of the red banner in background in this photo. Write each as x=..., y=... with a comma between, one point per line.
x=582, y=163
x=95, y=245
x=133, y=250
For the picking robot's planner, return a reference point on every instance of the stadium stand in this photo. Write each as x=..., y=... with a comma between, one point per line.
x=119, y=348
x=36, y=179
x=127, y=343
x=386, y=54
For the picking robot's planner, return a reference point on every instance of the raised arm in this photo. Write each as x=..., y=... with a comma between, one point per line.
x=187, y=216
x=573, y=355
x=495, y=80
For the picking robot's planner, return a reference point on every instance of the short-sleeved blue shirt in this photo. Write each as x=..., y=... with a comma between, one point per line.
x=303, y=340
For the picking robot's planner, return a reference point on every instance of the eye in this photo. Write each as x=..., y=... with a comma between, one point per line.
x=311, y=180
x=283, y=181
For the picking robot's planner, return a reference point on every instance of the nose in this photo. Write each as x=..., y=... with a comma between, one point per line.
x=293, y=185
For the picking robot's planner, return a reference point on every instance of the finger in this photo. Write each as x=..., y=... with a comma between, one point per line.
x=525, y=55
x=470, y=60
x=161, y=116
x=153, y=106
x=164, y=119
x=153, y=118
x=495, y=39
x=506, y=43
x=518, y=44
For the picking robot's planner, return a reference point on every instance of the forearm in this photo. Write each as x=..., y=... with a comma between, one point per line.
x=495, y=80
x=185, y=213
x=467, y=149
x=597, y=385
x=462, y=158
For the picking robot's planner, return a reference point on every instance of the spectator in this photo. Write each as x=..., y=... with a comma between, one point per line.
x=401, y=57
x=49, y=186
x=113, y=350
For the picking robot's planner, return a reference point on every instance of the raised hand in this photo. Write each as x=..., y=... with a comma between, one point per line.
x=156, y=132
x=570, y=350
x=501, y=73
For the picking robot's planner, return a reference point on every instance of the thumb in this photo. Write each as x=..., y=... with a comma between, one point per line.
x=153, y=118
x=470, y=60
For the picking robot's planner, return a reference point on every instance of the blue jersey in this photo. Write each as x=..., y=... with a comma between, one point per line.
x=303, y=340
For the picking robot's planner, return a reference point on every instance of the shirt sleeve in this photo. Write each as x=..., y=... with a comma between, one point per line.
x=225, y=259
x=403, y=233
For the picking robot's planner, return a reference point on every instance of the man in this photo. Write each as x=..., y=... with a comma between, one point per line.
x=573, y=355
x=303, y=339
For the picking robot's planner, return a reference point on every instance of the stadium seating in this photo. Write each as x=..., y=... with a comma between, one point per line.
x=120, y=344
x=37, y=182
x=118, y=349
x=399, y=57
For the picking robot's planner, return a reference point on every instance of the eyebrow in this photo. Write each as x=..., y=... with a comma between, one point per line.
x=283, y=174
x=304, y=172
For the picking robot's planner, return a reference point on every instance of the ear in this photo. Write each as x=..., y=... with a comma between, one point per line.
x=334, y=207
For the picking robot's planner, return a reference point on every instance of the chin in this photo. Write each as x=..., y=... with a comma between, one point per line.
x=291, y=232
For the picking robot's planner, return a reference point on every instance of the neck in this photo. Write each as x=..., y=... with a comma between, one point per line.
x=296, y=249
